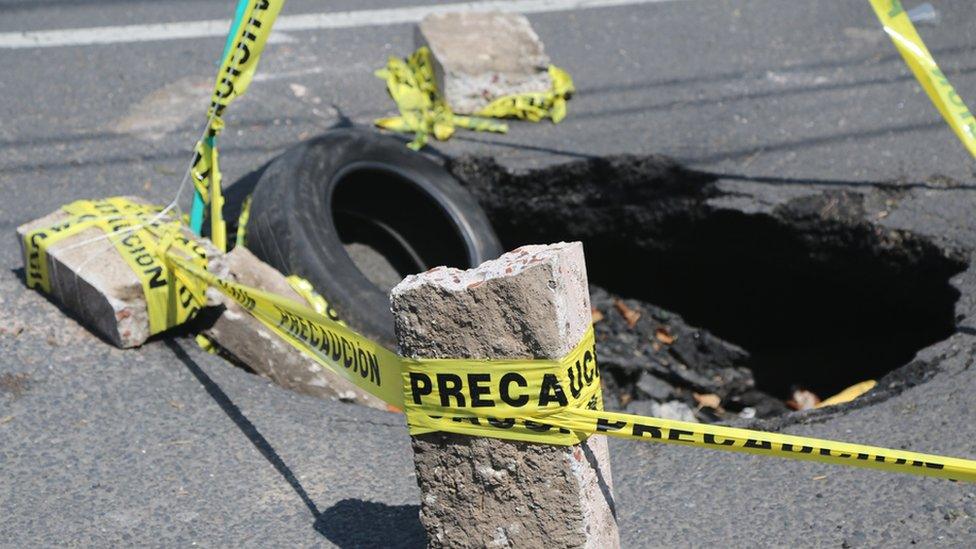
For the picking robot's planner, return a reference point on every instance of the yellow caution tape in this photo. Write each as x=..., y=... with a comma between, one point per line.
x=535, y=106
x=235, y=75
x=544, y=401
x=218, y=228
x=135, y=230
x=899, y=27
x=424, y=112
x=204, y=343
x=242, y=220
x=365, y=363
x=509, y=399
x=238, y=66
x=201, y=169
x=304, y=288
x=318, y=303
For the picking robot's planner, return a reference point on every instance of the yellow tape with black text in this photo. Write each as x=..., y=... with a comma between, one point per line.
x=236, y=72
x=544, y=401
x=899, y=27
x=424, y=112
x=170, y=301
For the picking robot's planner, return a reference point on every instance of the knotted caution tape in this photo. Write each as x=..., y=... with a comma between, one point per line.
x=245, y=42
x=535, y=106
x=543, y=401
x=140, y=235
x=424, y=111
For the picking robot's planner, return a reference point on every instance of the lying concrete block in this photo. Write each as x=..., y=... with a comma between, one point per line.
x=484, y=492
x=94, y=282
x=482, y=56
x=250, y=342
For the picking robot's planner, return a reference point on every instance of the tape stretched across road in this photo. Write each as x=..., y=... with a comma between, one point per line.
x=543, y=401
x=899, y=27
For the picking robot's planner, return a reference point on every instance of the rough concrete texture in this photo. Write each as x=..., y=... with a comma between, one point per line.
x=531, y=302
x=93, y=281
x=252, y=343
x=482, y=56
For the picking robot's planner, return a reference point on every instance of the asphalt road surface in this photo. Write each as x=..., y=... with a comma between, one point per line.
x=166, y=445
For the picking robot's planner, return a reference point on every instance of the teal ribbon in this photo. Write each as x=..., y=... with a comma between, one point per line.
x=198, y=211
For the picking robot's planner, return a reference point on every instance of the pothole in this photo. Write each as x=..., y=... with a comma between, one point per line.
x=745, y=306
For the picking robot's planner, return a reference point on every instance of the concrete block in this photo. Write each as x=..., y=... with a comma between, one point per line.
x=477, y=492
x=253, y=344
x=94, y=282
x=478, y=57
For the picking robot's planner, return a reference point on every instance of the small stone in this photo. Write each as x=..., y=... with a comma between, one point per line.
x=651, y=386
x=673, y=409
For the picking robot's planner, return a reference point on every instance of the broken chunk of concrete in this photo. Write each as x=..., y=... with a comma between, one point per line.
x=95, y=283
x=479, y=57
x=486, y=492
x=252, y=343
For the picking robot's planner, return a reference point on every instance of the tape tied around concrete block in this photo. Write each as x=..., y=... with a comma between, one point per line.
x=542, y=401
x=424, y=112
x=137, y=232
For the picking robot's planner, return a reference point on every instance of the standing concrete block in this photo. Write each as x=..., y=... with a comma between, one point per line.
x=479, y=57
x=94, y=282
x=477, y=492
x=252, y=343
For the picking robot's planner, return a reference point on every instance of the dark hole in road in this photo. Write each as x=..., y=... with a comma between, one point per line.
x=818, y=297
x=392, y=228
x=819, y=311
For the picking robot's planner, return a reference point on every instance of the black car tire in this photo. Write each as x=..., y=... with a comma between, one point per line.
x=360, y=186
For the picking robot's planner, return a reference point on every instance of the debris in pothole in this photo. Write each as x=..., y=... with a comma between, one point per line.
x=650, y=386
x=653, y=355
x=664, y=336
x=630, y=315
x=848, y=394
x=597, y=315
x=803, y=400
x=709, y=400
x=672, y=409
x=829, y=299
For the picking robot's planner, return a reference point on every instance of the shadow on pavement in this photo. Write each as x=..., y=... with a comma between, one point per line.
x=357, y=523
x=244, y=424
x=348, y=523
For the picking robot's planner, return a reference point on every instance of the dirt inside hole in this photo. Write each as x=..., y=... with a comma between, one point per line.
x=693, y=298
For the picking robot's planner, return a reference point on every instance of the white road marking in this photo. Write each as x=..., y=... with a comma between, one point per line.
x=303, y=22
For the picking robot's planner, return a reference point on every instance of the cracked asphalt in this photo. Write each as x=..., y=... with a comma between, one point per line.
x=167, y=445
